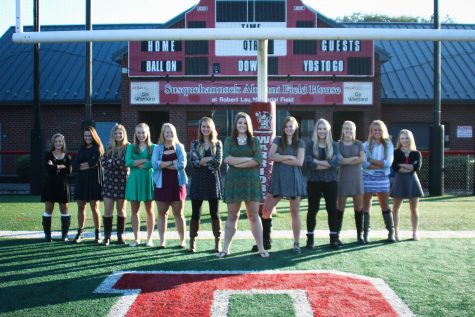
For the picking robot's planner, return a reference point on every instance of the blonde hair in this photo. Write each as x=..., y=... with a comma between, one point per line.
x=385, y=139
x=113, y=147
x=346, y=123
x=146, y=129
x=213, y=136
x=54, y=137
x=249, y=132
x=95, y=138
x=161, y=140
x=410, y=136
x=328, y=139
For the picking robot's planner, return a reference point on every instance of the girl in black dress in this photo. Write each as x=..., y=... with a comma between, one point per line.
x=88, y=187
x=115, y=178
x=206, y=155
x=56, y=189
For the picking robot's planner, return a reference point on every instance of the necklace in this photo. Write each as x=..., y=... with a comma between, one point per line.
x=168, y=148
x=242, y=141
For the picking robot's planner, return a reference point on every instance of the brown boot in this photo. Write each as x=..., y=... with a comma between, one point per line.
x=194, y=227
x=216, y=225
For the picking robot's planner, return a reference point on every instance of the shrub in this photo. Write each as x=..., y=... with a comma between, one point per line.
x=22, y=167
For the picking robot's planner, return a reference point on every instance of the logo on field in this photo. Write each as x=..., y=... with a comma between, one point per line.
x=264, y=119
x=208, y=293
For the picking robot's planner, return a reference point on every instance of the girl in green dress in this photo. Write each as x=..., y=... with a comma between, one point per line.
x=139, y=184
x=242, y=153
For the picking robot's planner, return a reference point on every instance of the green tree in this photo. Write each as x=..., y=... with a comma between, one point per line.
x=363, y=17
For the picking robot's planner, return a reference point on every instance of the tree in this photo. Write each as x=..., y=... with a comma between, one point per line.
x=363, y=17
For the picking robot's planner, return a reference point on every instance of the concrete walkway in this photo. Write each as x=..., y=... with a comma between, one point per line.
x=348, y=235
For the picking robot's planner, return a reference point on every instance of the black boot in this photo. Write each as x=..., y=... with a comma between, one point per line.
x=47, y=228
x=216, y=226
x=120, y=229
x=194, y=227
x=97, y=234
x=107, y=229
x=339, y=223
x=79, y=236
x=65, y=223
x=359, y=226
x=334, y=241
x=366, y=226
x=310, y=241
x=388, y=221
x=266, y=231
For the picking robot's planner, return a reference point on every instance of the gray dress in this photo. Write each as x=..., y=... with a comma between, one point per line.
x=350, y=179
x=287, y=181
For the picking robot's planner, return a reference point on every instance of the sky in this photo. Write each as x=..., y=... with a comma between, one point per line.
x=54, y=12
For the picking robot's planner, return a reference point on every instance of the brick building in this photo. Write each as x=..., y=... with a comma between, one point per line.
x=394, y=79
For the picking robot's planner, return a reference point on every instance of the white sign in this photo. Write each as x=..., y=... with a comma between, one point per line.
x=464, y=131
x=144, y=93
x=357, y=93
x=248, y=47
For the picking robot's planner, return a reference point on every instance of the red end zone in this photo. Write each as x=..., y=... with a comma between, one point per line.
x=314, y=293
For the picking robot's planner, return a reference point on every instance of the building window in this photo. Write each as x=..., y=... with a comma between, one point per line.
x=250, y=11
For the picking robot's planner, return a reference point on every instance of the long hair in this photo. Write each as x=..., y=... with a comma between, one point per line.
x=95, y=139
x=54, y=137
x=295, y=136
x=249, y=132
x=410, y=136
x=384, y=135
x=161, y=140
x=113, y=146
x=146, y=129
x=346, y=123
x=213, y=136
x=328, y=140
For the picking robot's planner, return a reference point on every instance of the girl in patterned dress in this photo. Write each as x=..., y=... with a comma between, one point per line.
x=89, y=180
x=407, y=161
x=206, y=154
x=139, y=186
x=242, y=152
x=376, y=169
x=350, y=180
x=288, y=153
x=56, y=189
x=115, y=178
x=169, y=162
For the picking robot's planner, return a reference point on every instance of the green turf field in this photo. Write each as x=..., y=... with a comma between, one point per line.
x=434, y=277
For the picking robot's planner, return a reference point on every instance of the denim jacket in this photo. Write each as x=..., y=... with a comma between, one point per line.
x=378, y=153
x=180, y=166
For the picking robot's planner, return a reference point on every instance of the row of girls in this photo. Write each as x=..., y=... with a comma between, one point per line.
x=335, y=170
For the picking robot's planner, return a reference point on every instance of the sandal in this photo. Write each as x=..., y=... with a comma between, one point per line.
x=222, y=254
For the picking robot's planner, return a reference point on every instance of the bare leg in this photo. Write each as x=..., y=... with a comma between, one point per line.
x=252, y=210
x=367, y=202
x=81, y=214
x=108, y=207
x=414, y=217
x=49, y=207
x=295, y=213
x=396, y=207
x=96, y=216
x=341, y=203
x=231, y=226
x=180, y=222
x=135, y=219
x=121, y=207
x=162, y=221
x=150, y=220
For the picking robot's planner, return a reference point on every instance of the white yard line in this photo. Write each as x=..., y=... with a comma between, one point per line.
x=276, y=234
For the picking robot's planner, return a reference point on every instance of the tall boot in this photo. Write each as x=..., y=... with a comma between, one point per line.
x=338, y=225
x=47, y=228
x=310, y=241
x=79, y=236
x=194, y=227
x=359, y=226
x=334, y=241
x=120, y=229
x=266, y=232
x=216, y=225
x=65, y=223
x=366, y=226
x=388, y=221
x=97, y=236
x=107, y=229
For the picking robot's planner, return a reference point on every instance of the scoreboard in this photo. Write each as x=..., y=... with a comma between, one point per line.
x=349, y=58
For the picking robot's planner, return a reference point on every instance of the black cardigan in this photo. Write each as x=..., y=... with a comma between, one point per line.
x=415, y=158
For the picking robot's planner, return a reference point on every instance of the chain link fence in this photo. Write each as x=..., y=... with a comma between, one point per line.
x=459, y=173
